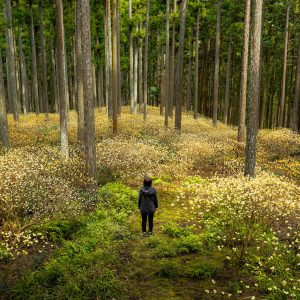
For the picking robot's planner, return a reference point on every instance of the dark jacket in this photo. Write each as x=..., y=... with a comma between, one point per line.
x=148, y=200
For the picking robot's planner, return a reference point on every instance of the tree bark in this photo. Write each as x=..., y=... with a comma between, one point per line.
x=254, y=88
x=228, y=82
x=88, y=93
x=172, y=67
x=196, y=96
x=131, y=59
x=135, y=75
x=11, y=60
x=283, y=80
x=108, y=49
x=44, y=63
x=189, y=82
x=294, y=121
x=4, y=135
x=140, y=83
x=114, y=66
x=167, y=63
x=217, y=65
x=35, y=87
x=146, y=61
x=244, y=73
x=61, y=64
x=179, y=68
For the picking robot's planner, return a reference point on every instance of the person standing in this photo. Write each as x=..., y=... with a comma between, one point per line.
x=147, y=204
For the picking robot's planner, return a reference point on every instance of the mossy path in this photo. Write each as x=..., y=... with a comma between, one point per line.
x=154, y=267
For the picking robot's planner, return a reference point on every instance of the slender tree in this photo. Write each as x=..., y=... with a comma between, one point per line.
x=228, y=81
x=196, y=96
x=131, y=59
x=89, y=123
x=4, y=136
x=217, y=65
x=283, y=80
x=167, y=76
x=254, y=87
x=44, y=86
x=11, y=60
x=60, y=46
x=179, y=68
x=294, y=121
x=79, y=75
x=114, y=66
x=244, y=73
x=146, y=61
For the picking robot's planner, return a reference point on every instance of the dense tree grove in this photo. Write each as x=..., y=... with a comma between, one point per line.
x=174, y=54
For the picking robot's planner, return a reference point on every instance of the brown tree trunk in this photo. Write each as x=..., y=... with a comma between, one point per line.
x=294, y=121
x=244, y=73
x=228, y=82
x=189, y=82
x=11, y=60
x=283, y=81
x=146, y=62
x=44, y=86
x=131, y=60
x=217, y=65
x=60, y=46
x=172, y=67
x=114, y=66
x=179, y=68
x=196, y=96
x=167, y=76
x=4, y=135
x=140, y=83
x=254, y=88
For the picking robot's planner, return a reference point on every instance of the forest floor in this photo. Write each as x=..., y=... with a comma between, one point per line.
x=217, y=234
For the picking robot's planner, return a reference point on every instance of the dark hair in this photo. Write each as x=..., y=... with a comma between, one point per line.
x=147, y=181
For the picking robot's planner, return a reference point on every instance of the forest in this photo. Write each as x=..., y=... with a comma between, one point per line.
x=201, y=97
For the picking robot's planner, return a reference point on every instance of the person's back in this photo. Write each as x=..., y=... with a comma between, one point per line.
x=147, y=204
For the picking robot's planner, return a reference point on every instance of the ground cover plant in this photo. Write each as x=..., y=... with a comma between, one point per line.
x=218, y=235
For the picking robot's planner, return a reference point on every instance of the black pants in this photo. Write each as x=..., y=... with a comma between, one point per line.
x=144, y=221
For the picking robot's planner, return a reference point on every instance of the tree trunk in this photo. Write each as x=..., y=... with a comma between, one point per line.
x=135, y=76
x=60, y=46
x=140, y=83
x=54, y=82
x=217, y=65
x=108, y=49
x=114, y=66
x=189, y=82
x=119, y=60
x=11, y=60
x=179, y=68
x=196, y=96
x=35, y=87
x=88, y=94
x=4, y=136
x=167, y=76
x=24, y=76
x=283, y=81
x=146, y=61
x=254, y=88
x=131, y=60
x=244, y=73
x=172, y=69
x=100, y=88
x=228, y=82
x=44, y=64
x=294, y=121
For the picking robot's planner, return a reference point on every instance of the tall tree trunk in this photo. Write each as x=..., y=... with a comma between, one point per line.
x=4, y=136
x=254, y=88
x=196, y=96
x=108, y=49
x=100, y=87
x=79, y=75
x=228, y=82
x=294, y=120
x=135, y=75
x=119, y=60
x=44, y=64
x=172, y=69
x=179, y=68
x=54, y=83
x=35, y=87
x=167, y=76
x=61, y=64
x=189, y=82
x=283, y=81
x=217, y=65
x=89, y=123
x=146, y=61
x=24, y=76
x=11, y=60
x=140, y=83
x=244, y=73
x=131, y=60
x=115, y=65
